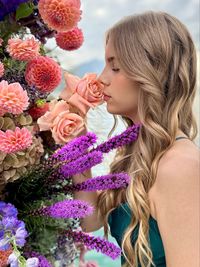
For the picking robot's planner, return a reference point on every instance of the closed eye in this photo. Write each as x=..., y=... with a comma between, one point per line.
x=115, y=69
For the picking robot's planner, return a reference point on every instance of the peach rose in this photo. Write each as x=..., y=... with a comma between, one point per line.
x=63, y=124
x=55, y=107
x=83, y=93
x=66, y=126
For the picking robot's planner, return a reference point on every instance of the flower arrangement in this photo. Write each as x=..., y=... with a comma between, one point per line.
x=41, y=141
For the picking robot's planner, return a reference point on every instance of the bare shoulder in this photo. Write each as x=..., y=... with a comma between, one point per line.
x=177, y=204
x=181, y=160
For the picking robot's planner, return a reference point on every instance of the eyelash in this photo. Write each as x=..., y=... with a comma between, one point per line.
x=115, y=70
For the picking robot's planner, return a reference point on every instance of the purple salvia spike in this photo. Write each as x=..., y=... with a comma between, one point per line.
x=71, y=208
x=76, y=147
x=110, y=181
x=96, y=243
x=125, y=138
x=82, y=164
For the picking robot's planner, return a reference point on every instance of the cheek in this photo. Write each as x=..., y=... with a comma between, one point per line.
x=127, y=92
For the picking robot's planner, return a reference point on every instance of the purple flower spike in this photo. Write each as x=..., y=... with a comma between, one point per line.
x=97, y=243
x=71, y=208
x=82, y=164
x=125, y=138
x=76, y=147
x=110, y=181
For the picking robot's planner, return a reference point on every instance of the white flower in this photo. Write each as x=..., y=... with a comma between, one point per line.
x=13, y=260
x=32, y=262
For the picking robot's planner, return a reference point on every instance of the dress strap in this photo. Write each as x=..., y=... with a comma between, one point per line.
x=181, y=137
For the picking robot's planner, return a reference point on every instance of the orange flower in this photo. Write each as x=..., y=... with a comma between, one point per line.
x=44, y=73
x=24, y=50
x=60, y=15
x=70, y=40
x=4, y=257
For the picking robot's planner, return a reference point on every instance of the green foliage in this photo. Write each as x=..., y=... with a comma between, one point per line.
x=24, y=10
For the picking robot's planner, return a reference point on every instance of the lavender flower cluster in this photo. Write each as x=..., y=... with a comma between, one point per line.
x=12, y=235
x=10, y=227
x=71, y=208
x=73, y=157
x=83, y=163
x=96, y=243
x=125, y=138
x=110, y=181
x=76, y=147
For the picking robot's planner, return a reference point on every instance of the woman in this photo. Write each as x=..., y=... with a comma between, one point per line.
x=150, y=78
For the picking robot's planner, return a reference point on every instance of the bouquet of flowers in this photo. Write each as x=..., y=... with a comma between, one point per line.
x=41, y=141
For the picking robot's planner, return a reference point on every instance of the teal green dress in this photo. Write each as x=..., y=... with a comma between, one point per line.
x=119, y=219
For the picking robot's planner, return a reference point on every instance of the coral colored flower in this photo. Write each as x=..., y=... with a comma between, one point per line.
x=60, y=15
x=83, y=93
x=70, y=40
x=63, y=124
x=24, y=50
x=13, y=98
x=13, y=141
x=1, y=69
x=44, y=73
x=4, y=254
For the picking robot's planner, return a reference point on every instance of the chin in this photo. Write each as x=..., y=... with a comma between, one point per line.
x=113, y=111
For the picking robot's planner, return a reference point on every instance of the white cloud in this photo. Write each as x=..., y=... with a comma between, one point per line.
x=98, y=16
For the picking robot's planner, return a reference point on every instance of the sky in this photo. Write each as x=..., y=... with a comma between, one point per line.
x=98, y=16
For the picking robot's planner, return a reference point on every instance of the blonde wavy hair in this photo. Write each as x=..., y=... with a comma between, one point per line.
x=156, y=50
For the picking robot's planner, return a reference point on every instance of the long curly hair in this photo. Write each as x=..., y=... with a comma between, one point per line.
x=156, y=50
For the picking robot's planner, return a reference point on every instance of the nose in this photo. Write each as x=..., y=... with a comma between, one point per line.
x=103, y=78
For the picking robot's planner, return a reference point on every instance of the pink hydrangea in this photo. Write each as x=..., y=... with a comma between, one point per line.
x=44, y=73
x=13, y=141
x=24, y=50
x=1, y=69
x=60, y=15
x=13, y=99
x=70, y=40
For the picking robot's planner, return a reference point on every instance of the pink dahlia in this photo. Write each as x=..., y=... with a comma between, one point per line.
x=1, y=69
x=24, y=50
x=13, y=99
x=70, y=40
x=13, y=141
x=60, y=15
x=44, y=73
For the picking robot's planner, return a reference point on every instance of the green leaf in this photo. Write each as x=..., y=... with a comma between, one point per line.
x=24, y=10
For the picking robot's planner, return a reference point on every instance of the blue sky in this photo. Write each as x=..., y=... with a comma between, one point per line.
x=98, y=16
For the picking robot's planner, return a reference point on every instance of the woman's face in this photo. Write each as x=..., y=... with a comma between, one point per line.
x=122, y=92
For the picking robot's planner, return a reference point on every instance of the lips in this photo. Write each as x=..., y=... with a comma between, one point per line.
x=106, y=97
